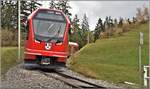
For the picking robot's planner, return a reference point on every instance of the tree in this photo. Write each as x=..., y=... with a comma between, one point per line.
x=27, y=7
x=134, y=20
x=139, y=12
x=115, y=23
x=9, y=14
x=52, y=4
x=34, y=5
x=129, y=21
x=85, y=29
x=139, y=15
x=64, y=6
x=106, y=23
x=75, y=28
x=146, y=13
x=110, y=22
x=76, y=37
x=75, y=24
x=85, y=25
x=120, y=22
x=98, y=29
x=76, y=21
x=142, y=14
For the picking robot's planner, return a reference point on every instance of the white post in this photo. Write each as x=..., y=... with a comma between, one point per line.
x=19, y=29
x=140, y=66
x=145, y=76
x=140, y=62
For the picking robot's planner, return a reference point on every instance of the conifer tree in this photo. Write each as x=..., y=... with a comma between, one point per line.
x=120, y=22
x=85, y=29
x=27, y=7
x=52, y=4
x=10, y=12
x=115, y=23
x=98, y=29
x=76, y=37
x=64, y=6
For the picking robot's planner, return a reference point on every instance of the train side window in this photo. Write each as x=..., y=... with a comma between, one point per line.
x=27, y=30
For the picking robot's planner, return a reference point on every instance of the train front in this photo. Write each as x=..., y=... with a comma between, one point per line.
x=47, y=40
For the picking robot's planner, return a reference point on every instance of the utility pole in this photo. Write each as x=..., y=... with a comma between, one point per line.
x=1, y=3
x=19, y=47
x=149, y=50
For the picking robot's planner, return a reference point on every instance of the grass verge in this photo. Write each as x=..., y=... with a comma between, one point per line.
x=9, y=58
x=114, y=59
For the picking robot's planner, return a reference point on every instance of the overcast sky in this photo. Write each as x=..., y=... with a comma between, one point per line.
x=101, y=9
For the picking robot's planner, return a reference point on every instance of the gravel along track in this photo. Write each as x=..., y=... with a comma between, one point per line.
x=72, y=81
x=20, y=78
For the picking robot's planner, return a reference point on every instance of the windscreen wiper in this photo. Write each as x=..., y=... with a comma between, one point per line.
x=56, y=36
x=50, y=26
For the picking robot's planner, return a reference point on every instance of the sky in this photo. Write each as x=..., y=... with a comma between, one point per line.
x=100, y=9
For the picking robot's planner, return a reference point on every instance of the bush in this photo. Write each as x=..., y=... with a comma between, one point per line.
x=103, y=35
x=9, y=38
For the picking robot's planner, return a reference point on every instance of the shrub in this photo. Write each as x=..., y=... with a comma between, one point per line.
x=9, y=38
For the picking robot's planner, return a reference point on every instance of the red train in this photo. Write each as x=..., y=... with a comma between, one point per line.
x=47, y=39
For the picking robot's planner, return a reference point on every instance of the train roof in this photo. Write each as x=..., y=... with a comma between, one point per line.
x=41, y=8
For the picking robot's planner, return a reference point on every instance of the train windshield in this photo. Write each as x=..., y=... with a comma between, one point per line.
x=49, y=25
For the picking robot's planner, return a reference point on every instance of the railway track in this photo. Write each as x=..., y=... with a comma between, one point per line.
x=74, y=82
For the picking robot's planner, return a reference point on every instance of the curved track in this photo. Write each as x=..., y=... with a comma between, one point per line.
x=72, y=81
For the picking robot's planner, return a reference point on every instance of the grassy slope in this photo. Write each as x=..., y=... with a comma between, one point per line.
x=9, y=58
x=114, y=59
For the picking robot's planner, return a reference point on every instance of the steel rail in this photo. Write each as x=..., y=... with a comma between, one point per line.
x=64, y=78
x=81, y=80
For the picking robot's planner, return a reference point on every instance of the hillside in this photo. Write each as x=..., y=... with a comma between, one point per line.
x=114, y=59
x=9, y=58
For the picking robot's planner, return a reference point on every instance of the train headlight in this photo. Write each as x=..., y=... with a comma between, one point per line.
x=48, y=46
